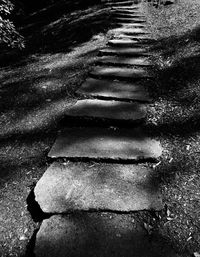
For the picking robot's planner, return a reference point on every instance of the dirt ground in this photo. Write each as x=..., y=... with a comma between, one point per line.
x=35, y=92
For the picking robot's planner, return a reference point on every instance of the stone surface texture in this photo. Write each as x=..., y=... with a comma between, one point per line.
x=101, y=143
x=99, y=235
x=124, y=188
x=115, y=110
x=113, y=89
x=133, y=61
x=119, y=73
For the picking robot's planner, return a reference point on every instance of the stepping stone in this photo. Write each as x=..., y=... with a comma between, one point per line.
x=127, y=12
x=106, y=144
x=79, y=187
x=117, y=61
x=130, y=16
x=113, y=89
x=98, y=235
x=126, y=3
x=130, y=31
x=130, y=8
x=114, y=110
x=123, y=43
x=128, y=51
x=131, y=25
x=119, y=73
x=130, y=20
x=139, y=38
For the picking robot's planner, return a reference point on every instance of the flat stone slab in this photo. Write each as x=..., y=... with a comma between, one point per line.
x=114, y=110
x=139, y=38
x=122, y=42
x=130, y=31
x=98, y=235
x=139, y=61
x=131, y=8
x=123, y=3
x=76, y=187
x=130, y=20
x=131, y=24
x=108, y=144
x=119, y=73
x=113, y=89
x=129, y=15
x=125, y=51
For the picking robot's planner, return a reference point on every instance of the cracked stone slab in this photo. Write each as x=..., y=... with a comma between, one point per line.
x=109, y=144
x=114, y=110
x=115, y=60
x=77, y=187
x=113, y=89
x=124, y=43
x=125, y=51
x=98, y=235
x=119, y=73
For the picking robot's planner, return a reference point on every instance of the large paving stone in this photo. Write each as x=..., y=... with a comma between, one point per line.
x=108, y=144
x=122, y=3
x=124, y=188
x=98, y=235
x=122, y=43
x=130, y=20
x=125, y=51
x=134, y=17
x=119, y=73
x=139, y=38
x=131, y=8
x=114, y=110
x=113, y=89
x=131, y=24
x=114, y=60
x=130, y=31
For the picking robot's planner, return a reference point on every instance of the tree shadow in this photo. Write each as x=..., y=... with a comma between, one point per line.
x=100, y=235
x=68, y=28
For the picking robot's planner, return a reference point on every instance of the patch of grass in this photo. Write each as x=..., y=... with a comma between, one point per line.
x=174, y=118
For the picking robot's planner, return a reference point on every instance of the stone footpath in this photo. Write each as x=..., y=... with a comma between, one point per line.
x=91, y=205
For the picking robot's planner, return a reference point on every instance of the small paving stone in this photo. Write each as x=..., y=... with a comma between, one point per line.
x=119, y=73
x=114, y=60
x=101, y=143
x=98, y=235
x=113, y=89
x=79, y=187
x=115, y=110
x=125, y=51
